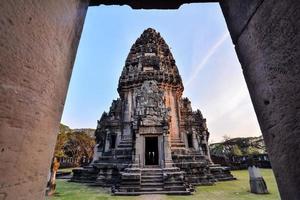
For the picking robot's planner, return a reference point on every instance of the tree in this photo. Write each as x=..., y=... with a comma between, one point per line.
x=79, y=145
x=226, y=137
x=236, y=151
x=73, y=144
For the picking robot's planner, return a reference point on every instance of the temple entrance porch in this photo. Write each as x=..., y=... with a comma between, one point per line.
x=150, y=151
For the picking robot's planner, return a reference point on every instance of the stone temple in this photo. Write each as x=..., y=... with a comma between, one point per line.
x=151, y=141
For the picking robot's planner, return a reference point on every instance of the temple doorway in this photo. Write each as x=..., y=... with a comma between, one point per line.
x=151, y=150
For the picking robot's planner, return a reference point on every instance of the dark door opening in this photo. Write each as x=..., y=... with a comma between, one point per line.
x=113, y=139
x=151, y=151
x=190, y=140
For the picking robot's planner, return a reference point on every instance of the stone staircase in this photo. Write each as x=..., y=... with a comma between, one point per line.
x=177, y=144
x=125, y=144
x=221, y=173
x=106, y=170
x=153, y=181
x=122, y=154
x=195, y=165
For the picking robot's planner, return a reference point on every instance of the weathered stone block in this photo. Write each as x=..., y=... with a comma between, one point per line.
x=269, y=52
x=38, y=44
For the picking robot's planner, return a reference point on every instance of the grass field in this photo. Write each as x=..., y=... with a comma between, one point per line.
x=236, y=190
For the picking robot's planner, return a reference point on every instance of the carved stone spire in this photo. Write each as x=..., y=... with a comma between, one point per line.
x=150, y=58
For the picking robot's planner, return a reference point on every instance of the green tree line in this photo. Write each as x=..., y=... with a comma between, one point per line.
x=73, y=144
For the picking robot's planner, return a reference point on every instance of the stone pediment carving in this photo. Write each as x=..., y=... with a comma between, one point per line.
x=150, y=108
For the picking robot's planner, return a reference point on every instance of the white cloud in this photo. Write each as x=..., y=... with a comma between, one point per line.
x=206, y=58
x=220, y=92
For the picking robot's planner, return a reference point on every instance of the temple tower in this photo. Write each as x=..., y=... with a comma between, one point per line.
x=151, y=59
x=151, y=140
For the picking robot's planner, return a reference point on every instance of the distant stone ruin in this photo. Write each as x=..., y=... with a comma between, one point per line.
x=151, y=141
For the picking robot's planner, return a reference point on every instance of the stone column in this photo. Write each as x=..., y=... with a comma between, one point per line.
x=107, y=141
x=267, y=41
x=139, y=151
x=207, y=147
x=38, y=44
x=97, y=153
x=167, y=151
x=171, y=102
x=127, y=135
x=195, y=142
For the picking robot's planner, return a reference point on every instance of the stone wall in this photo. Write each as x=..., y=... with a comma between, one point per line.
x=38, y=44
x=267, y=41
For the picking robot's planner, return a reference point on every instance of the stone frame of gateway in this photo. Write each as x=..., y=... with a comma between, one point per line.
x=34, y=85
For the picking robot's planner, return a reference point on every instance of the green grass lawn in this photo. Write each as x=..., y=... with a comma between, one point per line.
x=236, y=190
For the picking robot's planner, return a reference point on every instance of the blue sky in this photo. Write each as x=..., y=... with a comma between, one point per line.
x=201, y=45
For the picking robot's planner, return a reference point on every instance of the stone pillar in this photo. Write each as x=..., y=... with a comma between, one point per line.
x=139, y=151
x=195, y=141
x=97, y=153
x=172, y=103
x=207, y=146
x=127, y=135
x=38, y=44
x=167, y=151
x=267, y=41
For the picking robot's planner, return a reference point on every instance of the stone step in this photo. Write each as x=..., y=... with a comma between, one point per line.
x=153, y=184
x=156, y=180
x=177, y=182
x=122, y=143
x=126, y=150
x=149, y=189
x=182, y=147
x=176, y=140
x=151, y=169
x=151, y=176
x=126, y=140
x=174, y=187
x=153, y=192
x=151, y=172
x=178, y=144
x=128, y=147
x=129, y=187
x=117, y=151
x=125, y=145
